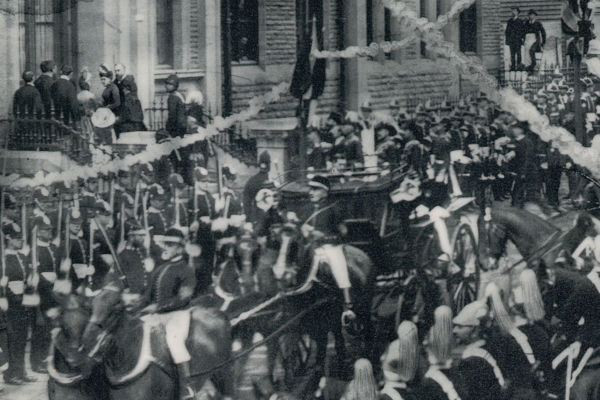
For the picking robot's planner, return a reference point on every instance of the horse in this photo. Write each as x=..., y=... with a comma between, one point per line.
x=129, y=357
x=299, y=271
x=538, y=240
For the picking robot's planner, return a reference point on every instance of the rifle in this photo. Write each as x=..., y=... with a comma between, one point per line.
x=63, y=284
x=3, y=298
x=118, y=268
x=56, y=240
x=31, y=297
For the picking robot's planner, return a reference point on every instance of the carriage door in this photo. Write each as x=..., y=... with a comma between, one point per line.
x=47, y=31
x=394, y=236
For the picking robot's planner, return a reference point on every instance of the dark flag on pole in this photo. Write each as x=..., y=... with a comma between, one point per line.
x=308, y=80
x=576, y=26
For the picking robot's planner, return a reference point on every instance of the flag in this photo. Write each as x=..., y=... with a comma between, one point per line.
x=308, y=80
x=576, y=26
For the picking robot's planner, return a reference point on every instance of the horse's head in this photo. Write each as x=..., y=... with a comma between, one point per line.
x=492, y=240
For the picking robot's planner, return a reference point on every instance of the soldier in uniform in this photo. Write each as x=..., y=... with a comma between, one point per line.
x=18, y=317
x=135, y=262
x=477, y=365
x=47, y=268
x=441, y=381
x=325, y=228
x=171, y=288
x=156, y=212
x=523, y=165
x=399, y=364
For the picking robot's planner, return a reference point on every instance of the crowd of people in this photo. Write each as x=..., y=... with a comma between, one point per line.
x=57, y=94
x=149, y=223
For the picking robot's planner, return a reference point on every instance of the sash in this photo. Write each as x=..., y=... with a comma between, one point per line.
x=523, y=342
x=16, y=287
x=441, y=379
x=476, y=351
x=389, y=391
x=49, y=276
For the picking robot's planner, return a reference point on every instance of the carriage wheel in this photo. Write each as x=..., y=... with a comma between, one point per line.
x=463, y=269
x=295, y=359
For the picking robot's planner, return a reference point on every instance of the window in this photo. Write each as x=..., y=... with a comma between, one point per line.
x=164, y=33
x=244, y=31
x=45, y=33
x=468, y=30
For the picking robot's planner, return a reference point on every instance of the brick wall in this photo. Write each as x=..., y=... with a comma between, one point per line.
x=548, y=10
x=416, y=79
x=280, y=31
x=490, y=29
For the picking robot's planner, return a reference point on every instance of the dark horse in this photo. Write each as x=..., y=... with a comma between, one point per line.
x=129, y=357
x=297, y=268
x=538, y=240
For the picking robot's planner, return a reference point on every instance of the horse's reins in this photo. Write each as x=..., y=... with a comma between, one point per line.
x=264, y=341
x=548, y=245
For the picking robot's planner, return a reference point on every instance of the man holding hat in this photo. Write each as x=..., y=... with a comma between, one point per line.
x=171, y=287
x=478, y=367
x=18, y=317
x=64, y=96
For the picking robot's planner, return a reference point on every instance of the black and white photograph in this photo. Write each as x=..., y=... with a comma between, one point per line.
x=300, y=200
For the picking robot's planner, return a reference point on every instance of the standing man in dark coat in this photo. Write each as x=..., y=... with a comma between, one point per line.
x=536, y=28
x=177, y=123
x=43, y=84
x=254, y=184
x=64, y=96
x=524, y=164
x=515, y=35
x=122, y=77
x=27, y=102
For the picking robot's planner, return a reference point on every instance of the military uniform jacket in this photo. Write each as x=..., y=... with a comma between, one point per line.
x=172, y=285
x=17, y=271
x=132, y=262
x=157, y=220
x=252, y=187
x=481, y=372
x=326, y=219
x=397, y=391
x=432, y=390
x=47, y=268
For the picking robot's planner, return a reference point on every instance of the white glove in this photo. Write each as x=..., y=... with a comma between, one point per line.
x=4, y=281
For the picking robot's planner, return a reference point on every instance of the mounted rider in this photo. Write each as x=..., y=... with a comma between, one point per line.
x=325, y=228
x=171, y=287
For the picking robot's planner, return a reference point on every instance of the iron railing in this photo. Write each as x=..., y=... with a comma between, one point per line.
x=522, y=82
x=45, y=135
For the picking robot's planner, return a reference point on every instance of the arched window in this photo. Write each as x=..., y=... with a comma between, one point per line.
x=164, y=33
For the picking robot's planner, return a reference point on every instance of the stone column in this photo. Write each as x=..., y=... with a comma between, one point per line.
x=451, y=31
x=355, y=34
x=212, y=49
x=431, y=15
x=397, y=55
x=145, y=53
x=379, y=27
x=10, y=70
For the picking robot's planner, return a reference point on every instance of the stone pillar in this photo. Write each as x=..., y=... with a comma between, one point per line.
x=145, y=53
x=379, y=27
x=212, y=49
x=125, y=18
x=10, y=70
x=355, y=34
x=431, y=15
x=451, y=31
x=397, y=55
